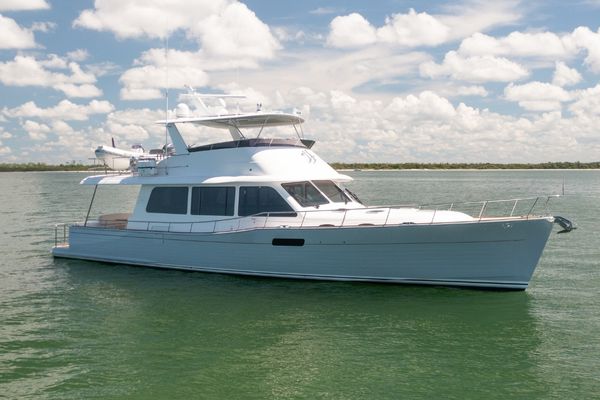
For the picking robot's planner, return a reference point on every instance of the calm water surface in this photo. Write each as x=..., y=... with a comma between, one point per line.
x=73, y=329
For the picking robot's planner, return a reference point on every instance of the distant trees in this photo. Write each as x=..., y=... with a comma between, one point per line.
x=25, y=167
x=11, y=167
x=546, y=165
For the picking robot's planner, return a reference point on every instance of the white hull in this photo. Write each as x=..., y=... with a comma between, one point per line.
x=494, y=254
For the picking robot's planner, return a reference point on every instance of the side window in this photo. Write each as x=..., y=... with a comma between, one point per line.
x=332, y=191
x=168, y=200
x=213, y=200
x=260, y=199
x=305, y=193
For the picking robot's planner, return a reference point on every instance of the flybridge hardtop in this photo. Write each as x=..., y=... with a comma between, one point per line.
x=241, y=160
x=272, y=207
x=249, y=120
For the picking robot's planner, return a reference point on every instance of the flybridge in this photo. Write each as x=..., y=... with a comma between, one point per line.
x=234, y=123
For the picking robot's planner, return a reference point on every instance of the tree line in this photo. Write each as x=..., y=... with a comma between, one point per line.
x=25, y=167
x=415, y=165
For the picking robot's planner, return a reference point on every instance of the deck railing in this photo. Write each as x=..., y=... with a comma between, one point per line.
x=486, y=210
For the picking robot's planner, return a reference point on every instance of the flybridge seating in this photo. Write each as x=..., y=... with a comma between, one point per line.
x=256, y=142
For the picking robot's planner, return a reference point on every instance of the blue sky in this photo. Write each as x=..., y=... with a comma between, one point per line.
x=385, y=81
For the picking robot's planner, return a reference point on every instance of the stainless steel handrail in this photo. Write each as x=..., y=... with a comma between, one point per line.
x=230, y=223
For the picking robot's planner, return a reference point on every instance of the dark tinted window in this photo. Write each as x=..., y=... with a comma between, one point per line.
x=213, y=200
x=305, y=193
x=259, y=199
x=168, y=200
x=332, y=191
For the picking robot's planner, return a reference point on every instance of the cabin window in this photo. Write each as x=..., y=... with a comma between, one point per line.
x=213, y=200
x=168, y=200
x=332, y=191
x=305, y=194
x=262, y=199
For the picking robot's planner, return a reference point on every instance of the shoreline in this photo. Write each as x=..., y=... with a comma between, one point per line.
x=345, y=170
x=462, y=169
x=349, y=167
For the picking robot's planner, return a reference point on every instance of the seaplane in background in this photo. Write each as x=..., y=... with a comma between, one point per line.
x=118, y=159
x=122, y=160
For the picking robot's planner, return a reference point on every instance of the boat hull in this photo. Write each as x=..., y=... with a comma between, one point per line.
x=499, y=254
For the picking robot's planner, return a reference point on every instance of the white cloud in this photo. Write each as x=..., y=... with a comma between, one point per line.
x=27, y=71
x=351, y=31
x=473, y=16
x=84, y=90
x=13, y=36
x=228, y=33
x=23, y=5
x=587, y=104
x=426, y=105
x=4, y=150
x=137, y=18
x=565, y=76
x=544, y=45
x=472, y=91
x=409, y=30
x=147, y=82
x=65, y=110
x=417, y=127
x=318, y=68
x=5, y=135
x=222, y=28
x=235, y=33
x=541, y=44
x=586, y=39
x=78, y=55
x=286, y=34
x=35, y=130
x=537, y=96
x=415, y=29
x=474, y=69
x=324, y=11
x=43, y=26
x=61, y=127
x=135, y=126
x=52, y=61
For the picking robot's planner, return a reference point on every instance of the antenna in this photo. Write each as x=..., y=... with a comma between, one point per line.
x=166, y=91
x=166, y=148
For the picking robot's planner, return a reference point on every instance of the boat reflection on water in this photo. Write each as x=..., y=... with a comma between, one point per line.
x=279, y=338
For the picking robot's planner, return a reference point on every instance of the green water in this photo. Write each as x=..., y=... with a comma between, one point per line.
x=80, y=330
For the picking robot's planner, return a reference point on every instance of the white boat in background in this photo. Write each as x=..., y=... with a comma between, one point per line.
x=272, y=207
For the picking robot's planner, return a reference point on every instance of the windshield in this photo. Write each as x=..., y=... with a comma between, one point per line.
x=305, y=193
x=332, y=191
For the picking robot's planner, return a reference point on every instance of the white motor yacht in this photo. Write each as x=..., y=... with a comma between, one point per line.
x=272, y=207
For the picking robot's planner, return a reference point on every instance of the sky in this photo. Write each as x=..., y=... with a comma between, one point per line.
x=379, y=81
